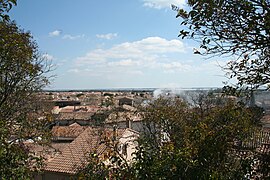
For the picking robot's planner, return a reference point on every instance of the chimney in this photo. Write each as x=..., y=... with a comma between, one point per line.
x=252, y=99
x=128, y=123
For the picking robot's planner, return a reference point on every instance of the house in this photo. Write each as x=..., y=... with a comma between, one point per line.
x=68, y=109
x=68, y=118
x=62, y=136
x=126, y=101
x=67, y=133
x=126, y=119
x=64, y=103
x=260, y=144
x=75, y=156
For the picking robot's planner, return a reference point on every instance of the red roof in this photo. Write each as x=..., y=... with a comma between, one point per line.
x=75, y=155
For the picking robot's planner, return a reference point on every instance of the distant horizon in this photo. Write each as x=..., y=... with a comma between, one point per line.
x=135, y=89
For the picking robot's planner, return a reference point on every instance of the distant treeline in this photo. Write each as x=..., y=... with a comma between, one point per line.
x=104, y=90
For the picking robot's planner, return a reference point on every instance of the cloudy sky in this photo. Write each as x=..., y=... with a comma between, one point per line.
x=116, y=44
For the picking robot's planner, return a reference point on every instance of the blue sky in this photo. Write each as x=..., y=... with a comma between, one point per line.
x=115, y=44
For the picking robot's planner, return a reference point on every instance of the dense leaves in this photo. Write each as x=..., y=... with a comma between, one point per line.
x=23, y=116
x=238, y=29
x=197, y=145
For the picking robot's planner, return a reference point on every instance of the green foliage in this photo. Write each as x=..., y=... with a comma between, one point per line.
x=198, y=145
x=239, y=29
x=22, y=115
x=5, y=6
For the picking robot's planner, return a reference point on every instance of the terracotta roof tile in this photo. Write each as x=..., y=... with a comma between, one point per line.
x=74, y=116
x=123, y=116
x=75, y=155
x=67, y=131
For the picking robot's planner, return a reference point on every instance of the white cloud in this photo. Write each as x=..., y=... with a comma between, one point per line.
x=72, y=37
x=108, y=36
x=159, y=4
x=127, y=62
x=55, y=33
x=136, y=72
x=176, y=66
x=75, y=70
x=134, y=62
x=145, y=52
x=148, y=62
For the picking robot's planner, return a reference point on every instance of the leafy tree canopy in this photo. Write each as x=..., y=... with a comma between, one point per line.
x=239, y=30
x=22, y=115
x=196, y=141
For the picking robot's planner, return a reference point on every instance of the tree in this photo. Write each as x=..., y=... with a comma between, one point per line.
x=22, y=114
x=239, y=30
x=185, y=141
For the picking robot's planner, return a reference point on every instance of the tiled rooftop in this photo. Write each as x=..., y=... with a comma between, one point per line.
x=123, y=116
x=67, y=109
x=75, y=155
x=74, y=116
x=67, y=131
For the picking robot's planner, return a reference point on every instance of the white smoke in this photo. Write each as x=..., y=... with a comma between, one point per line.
x=168, y=92
x=191, y=96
